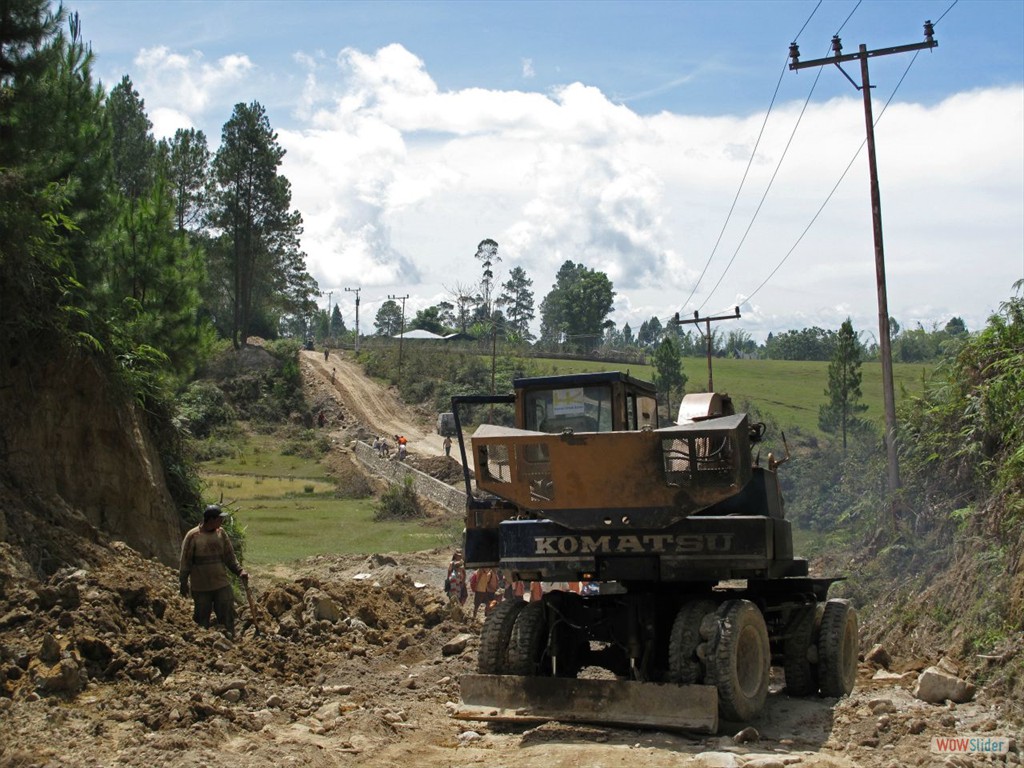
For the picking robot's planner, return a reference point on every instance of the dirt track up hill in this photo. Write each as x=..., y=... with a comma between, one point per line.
x=364, y=402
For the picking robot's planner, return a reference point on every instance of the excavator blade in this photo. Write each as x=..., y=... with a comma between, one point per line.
x=509, y=698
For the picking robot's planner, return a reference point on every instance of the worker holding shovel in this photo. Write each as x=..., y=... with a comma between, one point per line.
x=206, y=557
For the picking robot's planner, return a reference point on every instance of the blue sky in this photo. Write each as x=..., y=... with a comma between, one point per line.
x=616, y=135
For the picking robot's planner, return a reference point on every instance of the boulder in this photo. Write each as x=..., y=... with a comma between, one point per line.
x=277, y=602
x=64, y=677
x=322, y=607
x=878, y=656
x=456, y=645
x=50, y=649
x=936, y=686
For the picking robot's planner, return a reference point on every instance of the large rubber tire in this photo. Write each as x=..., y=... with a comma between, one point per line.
x=801, y=636
x=529, y=641
x=684, y=667
x=838, y=646
x=739, y=661
x=492, y=658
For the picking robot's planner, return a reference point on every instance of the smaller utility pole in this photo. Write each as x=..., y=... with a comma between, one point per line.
x=707, y=335
x=356, y=292
x=330, y=295
x=401, y=337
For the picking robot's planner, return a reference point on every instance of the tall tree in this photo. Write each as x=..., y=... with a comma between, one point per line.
x=428, y=319
x=517, y=299
x=186, y=162
x=446, y=314
x=54, y=176
x=668, y=371
x=129, y=268
x=134, y=147
x=487, y=255
x=575, y=311
x=337, y=322
x=389, y=319
x=839, y=414
x=263, y=268
x=650, y=333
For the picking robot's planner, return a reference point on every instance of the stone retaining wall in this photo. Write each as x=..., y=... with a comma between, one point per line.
x=395, y=471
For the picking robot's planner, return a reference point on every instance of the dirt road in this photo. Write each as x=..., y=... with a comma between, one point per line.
x=358, y=665
x=371, y=404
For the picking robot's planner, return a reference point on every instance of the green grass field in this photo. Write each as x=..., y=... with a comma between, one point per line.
x=288, y=509
x=790, y=390
x=287, y=505
x=290, y=528
x=261, y=455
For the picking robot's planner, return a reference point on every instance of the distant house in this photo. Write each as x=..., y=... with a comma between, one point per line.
x=419, y=333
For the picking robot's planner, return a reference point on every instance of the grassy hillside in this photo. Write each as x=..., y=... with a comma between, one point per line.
x=789, y=390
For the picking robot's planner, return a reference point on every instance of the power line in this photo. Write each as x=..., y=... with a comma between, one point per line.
x=838, y=182
x=852, y=159
x=750, y=162
x=767, y=189
x=775, y=173
x=936, y=22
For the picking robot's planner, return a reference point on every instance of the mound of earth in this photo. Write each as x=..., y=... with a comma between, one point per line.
x=355, y=661
x=443, y=468
x=107, y=662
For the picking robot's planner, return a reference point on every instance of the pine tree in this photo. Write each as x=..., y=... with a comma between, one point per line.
x=389, y=319
x=668, y=370
x=839, y=414
x=517, y=299
x=186, y=163
x=260, y=265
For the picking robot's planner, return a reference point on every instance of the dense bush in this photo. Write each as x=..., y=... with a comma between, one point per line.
x=202, y=407
x=962, y=440
x=399, y=502
x=309, y=444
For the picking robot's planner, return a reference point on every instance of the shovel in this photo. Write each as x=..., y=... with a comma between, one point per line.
x=252, y=606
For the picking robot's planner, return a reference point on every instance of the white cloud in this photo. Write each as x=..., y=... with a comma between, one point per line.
x=570, y=175
x=185, y=82
x=167, y=121
x=397, y=181
x=528, y=70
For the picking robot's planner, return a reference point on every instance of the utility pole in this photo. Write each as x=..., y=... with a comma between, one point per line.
x=401, y=338
x=356, y=292
x=707, y=335
x=330, y=295
x=884, y=345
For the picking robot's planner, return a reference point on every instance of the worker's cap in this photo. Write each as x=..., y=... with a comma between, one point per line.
x=213, y=510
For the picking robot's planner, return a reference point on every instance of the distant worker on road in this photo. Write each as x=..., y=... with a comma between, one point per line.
x=327, y=353
x=206, y=557
x=447, y=446
x=402, y=449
